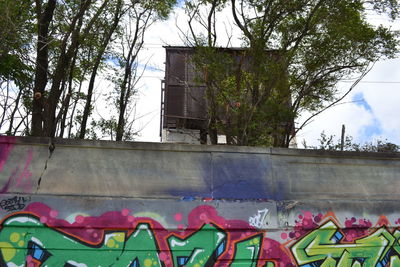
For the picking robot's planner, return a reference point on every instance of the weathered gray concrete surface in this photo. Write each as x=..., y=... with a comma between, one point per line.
x=283, y=194
x=219, y=172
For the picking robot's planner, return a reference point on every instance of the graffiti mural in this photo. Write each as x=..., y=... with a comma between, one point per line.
x=324, y=247
x=42, y=225
x=37, y=237
x=20, y=176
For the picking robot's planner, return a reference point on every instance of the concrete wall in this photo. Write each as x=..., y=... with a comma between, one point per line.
x=81, y=203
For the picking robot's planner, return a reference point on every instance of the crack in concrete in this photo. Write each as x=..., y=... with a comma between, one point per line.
x=52, y=147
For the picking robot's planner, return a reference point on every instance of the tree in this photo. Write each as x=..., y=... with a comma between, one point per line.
x=329, y=143
x=93, y=27
x=294, y=54
x=16, y=31
x=107, y=32
x=65, y=36
x=52, y=52
x=127, y=73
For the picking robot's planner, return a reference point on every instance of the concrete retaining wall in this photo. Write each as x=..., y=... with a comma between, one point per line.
x=82, y=203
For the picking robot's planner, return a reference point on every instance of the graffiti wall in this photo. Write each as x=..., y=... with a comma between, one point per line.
x=196, y=224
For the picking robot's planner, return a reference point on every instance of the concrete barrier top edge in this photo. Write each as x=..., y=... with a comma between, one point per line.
x=132, y=145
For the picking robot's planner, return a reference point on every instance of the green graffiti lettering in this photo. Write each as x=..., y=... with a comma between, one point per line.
x=24, y=236
x=199, y=249
x=396, y=245
x=142, y=248
x=247, y=252
x=394, y=261
x=24, y=239
x=329, y=262
x=322, y=247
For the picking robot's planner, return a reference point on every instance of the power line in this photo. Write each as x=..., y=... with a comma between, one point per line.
x=343, y=81
x=370, y=82
x=151, y=76
x=387, y=82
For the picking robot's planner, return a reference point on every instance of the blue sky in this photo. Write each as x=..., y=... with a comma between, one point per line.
x=359, y=100
x=372, y=130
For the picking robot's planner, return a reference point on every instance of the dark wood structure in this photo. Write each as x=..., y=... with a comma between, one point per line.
x=183, y=102
x=183, y=99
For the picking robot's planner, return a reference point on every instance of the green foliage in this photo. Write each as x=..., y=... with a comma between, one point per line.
x=16, y=30
x=52, y=51
x=329, y=143
x=161, y=7
x=12, y=68
x=295, y=52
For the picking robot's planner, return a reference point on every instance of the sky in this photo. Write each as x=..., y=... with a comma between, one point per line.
x=370, y=112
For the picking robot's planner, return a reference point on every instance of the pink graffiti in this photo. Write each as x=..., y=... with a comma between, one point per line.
x=305, y=222
x=20, y=179
x=354, y=228
x=6, y=145
x=91, y=230
x=178, y=217
x=24, y=179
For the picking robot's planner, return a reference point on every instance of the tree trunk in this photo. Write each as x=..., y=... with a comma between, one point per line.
x=42, y=63
x=74, y=107
x=12, y=116
x=125, y=89
x=68, y=97
x=63, y=63
x=86, y=111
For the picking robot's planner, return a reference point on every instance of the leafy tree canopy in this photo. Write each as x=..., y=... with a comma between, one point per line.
x=295, y=54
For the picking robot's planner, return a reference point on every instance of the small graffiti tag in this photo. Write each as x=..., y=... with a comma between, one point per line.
x=14, y=203
x=259, y=220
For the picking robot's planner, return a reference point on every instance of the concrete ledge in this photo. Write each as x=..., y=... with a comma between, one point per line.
x=145, y=170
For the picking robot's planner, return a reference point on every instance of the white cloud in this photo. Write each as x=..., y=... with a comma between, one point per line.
x=381, y=96
x=384, y=97
x=353, y=116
